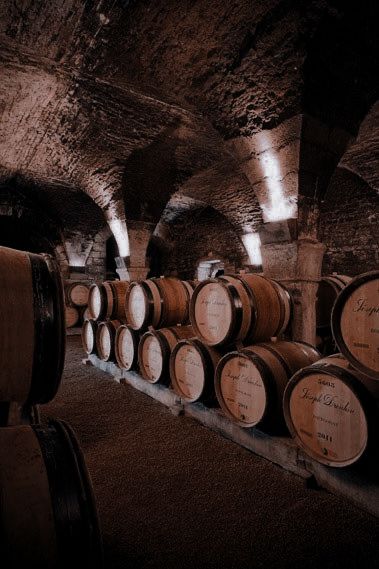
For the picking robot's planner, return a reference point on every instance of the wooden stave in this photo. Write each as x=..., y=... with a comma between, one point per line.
x=274, y=377
x=69, y=287
x=233, y=286
x=210, y=358
x=51, y=516
x=93, y=324
x=38, y=372
x=166, y=345
x=339, y=304
x=337, y=282
x=115, y=292
x=111, y=326
x=135, y=338
x=366, y=391
x=170, y=317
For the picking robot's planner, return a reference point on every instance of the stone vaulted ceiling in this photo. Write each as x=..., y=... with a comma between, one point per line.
x=137, y=103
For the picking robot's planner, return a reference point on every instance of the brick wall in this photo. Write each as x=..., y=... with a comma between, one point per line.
x=349, y=225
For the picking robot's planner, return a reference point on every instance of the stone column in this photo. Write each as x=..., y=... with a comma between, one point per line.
x=298, y=266
x=122, y=264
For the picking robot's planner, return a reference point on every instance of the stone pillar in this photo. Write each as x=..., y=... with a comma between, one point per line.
x=139, y=236
x=122, y=264
x=297, y=265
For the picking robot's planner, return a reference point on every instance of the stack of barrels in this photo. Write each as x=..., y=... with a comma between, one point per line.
x=47, y=508
x=331, y=407
x=224, y=343
x=76, y=300
x=137, y=324
x=243, y=318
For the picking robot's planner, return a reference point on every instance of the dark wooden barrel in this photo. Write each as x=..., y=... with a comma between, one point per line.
x=32, y=327
x=250, y=383
x=328, y=289
x=192, y=369
x=126, y=347
x=76, y=294
x=331, y=411
x=47, y=508
x=355, y=323
x=105, y=339
x=246, y=307
x=154, y=351
x=158, y=302
x=89, y=330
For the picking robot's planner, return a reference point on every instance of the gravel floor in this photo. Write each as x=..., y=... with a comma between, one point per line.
x=172, y=494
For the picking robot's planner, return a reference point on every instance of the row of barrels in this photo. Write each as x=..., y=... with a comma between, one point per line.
x=47, y=508
x=76, y=302
x=247, y=309
x=222, y=311
x=328, y=407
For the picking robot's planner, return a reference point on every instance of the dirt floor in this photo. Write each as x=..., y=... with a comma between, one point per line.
x=172, y=494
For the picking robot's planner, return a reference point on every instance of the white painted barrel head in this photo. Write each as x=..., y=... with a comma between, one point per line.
x=137, y=307
x=240, y=389
x=88, y=337
x=151, y=358
x=360, y=325
x=79, y=294
x=328, y=419
x=105, y=343
x=95, y=300
x=189, y=372
x=126, y=347
x=213, y=313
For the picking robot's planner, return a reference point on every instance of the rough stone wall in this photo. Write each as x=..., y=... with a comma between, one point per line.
x=349, y=226
x=200, y=235
x=95, y=269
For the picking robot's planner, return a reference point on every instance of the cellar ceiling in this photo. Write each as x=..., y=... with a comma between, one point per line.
x=137, y=104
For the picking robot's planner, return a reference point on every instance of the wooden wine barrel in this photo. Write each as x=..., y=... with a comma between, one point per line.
x=355, y=323
x=126, y=347
x=115, y=299
x=97, y=299
x=89, y=330
x=331, y=412
x=154, y=351
x=158, y=302
x=76, y=294
x=105, y=339
x=47, y=509
x=72, y=316
x=250, y=383
x=192, y=369
x=32, y=327
x=327, y=292
x=244, y=307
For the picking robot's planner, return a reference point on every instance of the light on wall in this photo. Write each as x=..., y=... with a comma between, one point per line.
x=279, y=206
x=74, y=258
x=120, y=232
x=252, y=245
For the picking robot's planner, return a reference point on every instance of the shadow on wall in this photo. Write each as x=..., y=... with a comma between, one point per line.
x=349, y=221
